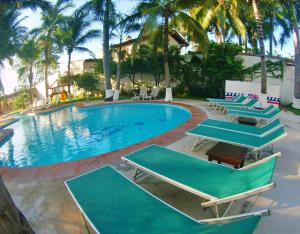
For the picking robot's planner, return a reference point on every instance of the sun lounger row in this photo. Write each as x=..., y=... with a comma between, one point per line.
x=118, y=205
x=241, y=106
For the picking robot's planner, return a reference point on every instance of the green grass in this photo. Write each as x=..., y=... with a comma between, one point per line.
x=11, y=113
x=291, y=109
x=75, y=100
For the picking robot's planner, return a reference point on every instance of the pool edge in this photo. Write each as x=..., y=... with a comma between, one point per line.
x=64, y=170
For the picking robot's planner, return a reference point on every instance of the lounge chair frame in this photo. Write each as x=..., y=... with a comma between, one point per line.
x=256, y=150
x=212, y=201
x=244, y=132
x=227, y=219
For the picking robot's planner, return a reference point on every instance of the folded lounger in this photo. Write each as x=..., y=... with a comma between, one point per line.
x=114, y=204
x=223, y=99
x=216, y=183
x=239, y=99
x=259, y=111
x=249, y=104
x=247, y=129
x=275, y=113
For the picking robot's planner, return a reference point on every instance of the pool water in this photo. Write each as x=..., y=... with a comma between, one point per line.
x=70, y=134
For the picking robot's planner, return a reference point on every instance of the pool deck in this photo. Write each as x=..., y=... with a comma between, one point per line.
x=41, y=195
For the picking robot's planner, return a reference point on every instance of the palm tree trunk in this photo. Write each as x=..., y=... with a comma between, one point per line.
x=262, y=47
x=271, y=44
x=118, y=83
x=168, y=96
x=297, y=58
x=30, y=84
x=240, y=40
x=271, y=37
x=46, y=66
x=106, y=62
x=69, y=73
x=246, y=43
x=11, y=218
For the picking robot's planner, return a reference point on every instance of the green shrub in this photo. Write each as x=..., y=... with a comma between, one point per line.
x=21, y=100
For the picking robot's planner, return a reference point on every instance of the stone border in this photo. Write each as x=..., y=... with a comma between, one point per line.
x=6, y=135
x=65, y=170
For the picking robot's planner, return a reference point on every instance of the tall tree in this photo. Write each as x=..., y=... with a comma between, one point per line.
x=120, y=29
x=260, y=34
x=29, y=65
x=163, y=14
x=11, y=32
x=103, y=10
x=73, y=34
x=52, y=17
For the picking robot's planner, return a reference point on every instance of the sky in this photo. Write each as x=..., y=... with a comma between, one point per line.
x=9, y=76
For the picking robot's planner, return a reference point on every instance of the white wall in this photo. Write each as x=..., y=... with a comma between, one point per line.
x=286, y=84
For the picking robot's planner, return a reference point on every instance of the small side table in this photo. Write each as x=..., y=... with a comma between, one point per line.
x=247, y=121
x=226, y=153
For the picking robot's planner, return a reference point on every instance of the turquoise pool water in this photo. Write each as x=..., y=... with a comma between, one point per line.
x=71, y=134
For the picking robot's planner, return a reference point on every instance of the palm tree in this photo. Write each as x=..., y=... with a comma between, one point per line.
x=103, y=10
x=294, y=11
x=260, y=34
x=120, y=29
x=166, y=14
x=221, y=16
x=11, y=33
x=52, y=17
x=74, y=34
x=29, y=66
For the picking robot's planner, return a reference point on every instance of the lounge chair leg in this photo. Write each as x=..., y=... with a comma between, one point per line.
x=85, y=224
x=217, y=211
x=197, y=143
x=137, y=173
x=227, y=209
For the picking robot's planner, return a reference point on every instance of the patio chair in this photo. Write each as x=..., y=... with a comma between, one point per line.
x=154, y=93
x=249, y=104
x=265, y=117
x=252, y=142
x=117, y=205
x=142, y=94
x=242, y=128
x=217, y=184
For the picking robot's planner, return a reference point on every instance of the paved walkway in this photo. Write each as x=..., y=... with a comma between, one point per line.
x=50, y=209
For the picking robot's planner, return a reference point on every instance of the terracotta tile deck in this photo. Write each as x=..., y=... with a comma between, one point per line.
x=69, y=169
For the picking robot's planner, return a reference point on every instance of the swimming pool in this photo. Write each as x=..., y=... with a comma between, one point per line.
x=70, y=133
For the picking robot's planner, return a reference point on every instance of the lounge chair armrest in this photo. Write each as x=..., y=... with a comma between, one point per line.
x=228, y=219
x=239, y=196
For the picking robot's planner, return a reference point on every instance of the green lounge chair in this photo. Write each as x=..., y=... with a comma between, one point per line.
x=114, y=204
x=257, y=111
x=274, y=114
x=242, y=128
x=216, y=183
x=215, y=103
x=223, y=99
x=252, y=142
x=223, y=106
